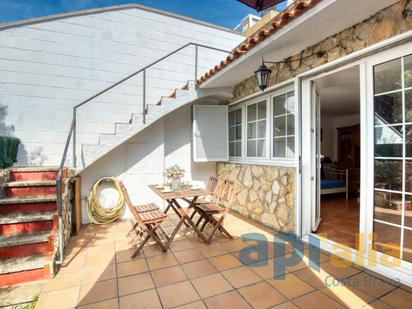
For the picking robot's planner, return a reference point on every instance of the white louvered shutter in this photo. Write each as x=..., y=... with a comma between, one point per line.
x=210, y=133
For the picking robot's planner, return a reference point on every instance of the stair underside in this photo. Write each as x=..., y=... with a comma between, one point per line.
x=24, y=239
x=13, y=265
x=26, y=217
x=28, y=199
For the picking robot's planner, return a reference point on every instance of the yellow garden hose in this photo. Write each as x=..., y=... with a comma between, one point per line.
x=99, y=215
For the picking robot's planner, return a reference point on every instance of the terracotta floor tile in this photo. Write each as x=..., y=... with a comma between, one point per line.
x=235, y=245
x=316, y=300
x=349, y=297
x=161, y=261
x=177, y=294
x=211, y=285
x=398, y=298
x=187, y=256
x=377, y=304
x=92, y=275
x=249, y=256
x=146, y=299
x=131, y=268
x=135, y=283
x=150, y=251
x=198, y=268
x=196, y=305
x=266, y=269
x=311, y=276
x=291, y=286
x=286, y=305
x=262, y=295
x=370, y=284
x=63, y=281
x=224, y=262
x=66, y=298
x=181, y=245
x=169, y=275
x=339, y=271
x=75, y=265
x=125, y=255
x=241, y=276
x=213, y=250
x=292, y=262
x=227, y=300
x=106, y=304
x=95, y=292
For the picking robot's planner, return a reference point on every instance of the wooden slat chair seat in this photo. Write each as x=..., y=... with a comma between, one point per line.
x=215, y=213
x=148, y=219
x=212, y=186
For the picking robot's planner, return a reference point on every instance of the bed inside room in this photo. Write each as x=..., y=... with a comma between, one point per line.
x=339, y=185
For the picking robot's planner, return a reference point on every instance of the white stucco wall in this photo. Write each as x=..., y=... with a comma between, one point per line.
x=142, y=160
x=48, y=67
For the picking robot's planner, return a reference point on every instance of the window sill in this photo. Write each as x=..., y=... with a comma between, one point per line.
x=280, y=163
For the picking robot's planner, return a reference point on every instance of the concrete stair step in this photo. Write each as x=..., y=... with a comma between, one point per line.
x=31, y=173
x=26, y=217
x=18, y=240
x=31, y=169
x=19, y=264
x=30, y=183
x=28, y=199
x=12, y=224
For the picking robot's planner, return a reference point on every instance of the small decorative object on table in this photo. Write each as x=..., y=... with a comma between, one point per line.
x=175, y=174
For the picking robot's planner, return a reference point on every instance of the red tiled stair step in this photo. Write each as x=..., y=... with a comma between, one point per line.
x=33, y=173
x=24, y=204
x=23, y=269
x=30, y=188
x=24, y=223
x=24, y=245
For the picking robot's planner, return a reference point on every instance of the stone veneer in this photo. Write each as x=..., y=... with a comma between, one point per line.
x=383, y=25
x=263, y=193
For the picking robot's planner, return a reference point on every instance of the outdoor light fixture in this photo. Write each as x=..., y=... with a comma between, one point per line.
x=263, y=75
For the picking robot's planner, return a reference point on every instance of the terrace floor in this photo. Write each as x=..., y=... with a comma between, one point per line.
x=98, y=273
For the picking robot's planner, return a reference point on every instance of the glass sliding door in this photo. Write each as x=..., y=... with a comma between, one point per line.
x=392, y=218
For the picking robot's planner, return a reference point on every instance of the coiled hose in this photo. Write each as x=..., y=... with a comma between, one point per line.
x=99, y=215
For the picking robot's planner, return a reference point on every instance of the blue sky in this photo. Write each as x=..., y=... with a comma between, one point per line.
x=227, y=13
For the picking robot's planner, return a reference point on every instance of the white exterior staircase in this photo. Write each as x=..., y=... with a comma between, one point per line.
x=124, y=131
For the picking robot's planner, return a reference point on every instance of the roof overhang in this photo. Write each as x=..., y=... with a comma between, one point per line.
x=325, y=19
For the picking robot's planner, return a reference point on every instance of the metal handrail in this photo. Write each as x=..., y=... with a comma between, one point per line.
x=72, y=130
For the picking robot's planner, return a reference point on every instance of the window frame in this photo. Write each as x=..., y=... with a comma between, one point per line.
x=245, y=138
x=283, y=91
x=268, y=158
x=234, y=109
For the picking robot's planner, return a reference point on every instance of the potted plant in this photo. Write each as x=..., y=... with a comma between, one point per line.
x=175, y=174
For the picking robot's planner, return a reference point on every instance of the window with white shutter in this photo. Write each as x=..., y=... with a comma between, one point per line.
x=210, y=133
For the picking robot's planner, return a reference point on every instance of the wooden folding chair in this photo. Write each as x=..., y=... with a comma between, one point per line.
x=212, y=186
x=147, y=219
x=214, y=213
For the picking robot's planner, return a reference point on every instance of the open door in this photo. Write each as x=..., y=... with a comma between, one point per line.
x=317, y=156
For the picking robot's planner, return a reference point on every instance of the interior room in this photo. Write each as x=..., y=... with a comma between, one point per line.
x=339, y=95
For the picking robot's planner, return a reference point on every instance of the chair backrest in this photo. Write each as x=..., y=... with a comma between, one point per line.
x=224, y=192
x=128, y=201
x=212, y=184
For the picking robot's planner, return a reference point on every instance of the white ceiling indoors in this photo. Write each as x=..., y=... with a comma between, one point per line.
x=325, y=19
x=340, y=93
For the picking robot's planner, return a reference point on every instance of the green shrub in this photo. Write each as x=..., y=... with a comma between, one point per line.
x=8, y=150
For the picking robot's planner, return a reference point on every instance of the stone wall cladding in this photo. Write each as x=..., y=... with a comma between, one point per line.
x=383, y=25
x=263, y=193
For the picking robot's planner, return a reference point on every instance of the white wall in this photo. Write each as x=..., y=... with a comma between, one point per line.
x=48, y=67
x=142, y=160
x=329, y=147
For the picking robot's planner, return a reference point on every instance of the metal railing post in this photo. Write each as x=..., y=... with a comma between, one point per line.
x=196, y=61
x=144, y=96
x=74, y=138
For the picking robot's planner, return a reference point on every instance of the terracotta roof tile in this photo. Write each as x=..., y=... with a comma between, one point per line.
x=291, y=13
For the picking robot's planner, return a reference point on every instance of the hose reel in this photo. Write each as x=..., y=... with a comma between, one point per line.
x=103, y=215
